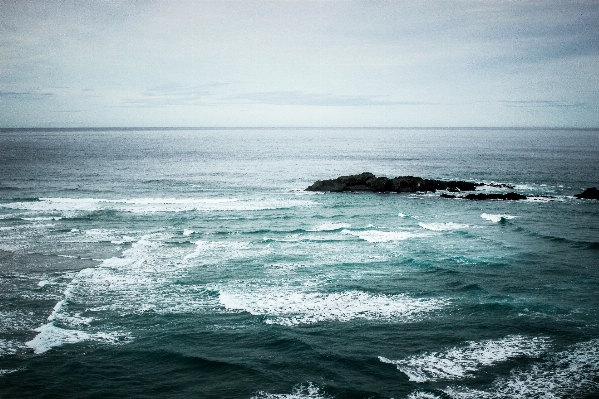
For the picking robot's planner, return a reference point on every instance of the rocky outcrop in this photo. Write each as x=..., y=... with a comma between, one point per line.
x=409, y=184
x=401, y=184
x=494, y=196
x=589, y=193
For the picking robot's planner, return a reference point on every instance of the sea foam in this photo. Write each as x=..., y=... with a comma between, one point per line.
x=289, y=307
x=571, y=373
x=70, y=207
x=496, y=218
x=117, y=284
x=449, y=226
x=329, y=226
x=383, y=236
x=462, y=362
x=309, y=391
x=51, y=336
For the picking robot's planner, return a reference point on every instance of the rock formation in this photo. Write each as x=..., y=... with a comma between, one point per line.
x=589, y=193
x=494, y=196
x=401, y=184
x=409, y=184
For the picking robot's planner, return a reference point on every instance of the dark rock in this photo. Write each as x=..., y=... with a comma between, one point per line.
x=454, y=186
x=509, y=196
x=447, y=196
x=410, y=184
x=401, y=184
x=589, y=193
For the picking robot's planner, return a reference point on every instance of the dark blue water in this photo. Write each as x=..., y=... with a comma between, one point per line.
x=192, y=263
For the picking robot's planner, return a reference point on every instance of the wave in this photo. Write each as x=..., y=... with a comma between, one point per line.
x=461, y=362
x=8, y=347
x=309, y=391
x=571, y=373
x=449, y=226
x=51, y=336
x=8, y=371
x=422, y=395
x=329, y=226
x=41, y=218
x=496, y=218
x=72, y=207
x=228, y=249
x=145, y=270
x=383, y=236
x=289, y=307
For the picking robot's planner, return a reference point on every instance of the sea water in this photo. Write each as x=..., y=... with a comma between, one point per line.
x=192, y=264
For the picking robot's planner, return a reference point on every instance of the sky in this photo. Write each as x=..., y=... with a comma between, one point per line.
x=299, y=63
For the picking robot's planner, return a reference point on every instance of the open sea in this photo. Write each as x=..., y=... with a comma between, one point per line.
x=165, y=263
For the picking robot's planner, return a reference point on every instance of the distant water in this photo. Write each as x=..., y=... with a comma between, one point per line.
x=191, y=264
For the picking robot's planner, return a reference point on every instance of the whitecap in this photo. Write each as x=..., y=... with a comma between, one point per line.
x=309, y=391
x=69, y=207
x=496, y=218
x=567, y=374
x=229, y=249
x=289, y=307
x=41, y=218
x=124, y=240
x=443, y=226
x=422, y=395
x=383, y=236
x=187, y=232
x=9, y=347
x=461, y=362
x=329, y=226
x=51, y=336
x=8, y=371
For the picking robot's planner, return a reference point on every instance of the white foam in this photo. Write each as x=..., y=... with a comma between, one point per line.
x=8, y=371
x=542, y=199
x=309, y=391
x=383, y=236
x=449, y=226
x=496, y=218
x=290, y=307
x=40, y=218
x=461, y=362
x=402, y=215
x=329, y=226
x=228, y=249
x=124, y=239
x=422, y=395
x=70, y=206
x=187, y=232
x=9, y=347
x=51, y=336
x=568, y=374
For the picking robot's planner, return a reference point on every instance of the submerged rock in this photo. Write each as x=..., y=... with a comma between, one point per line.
x=508, y=196
x=589, y=193
x=402, y=184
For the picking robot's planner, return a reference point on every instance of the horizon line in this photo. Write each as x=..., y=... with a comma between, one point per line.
x=173, y=128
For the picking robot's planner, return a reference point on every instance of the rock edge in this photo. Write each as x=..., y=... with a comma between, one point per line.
x=402, y=184
x=406, y=184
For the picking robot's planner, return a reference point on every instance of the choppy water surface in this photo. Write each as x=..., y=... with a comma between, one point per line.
x=192, y=264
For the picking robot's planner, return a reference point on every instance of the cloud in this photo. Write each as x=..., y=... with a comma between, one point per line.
x=26, y=95
x=315, y=99
x=174, y=94
x=541, y=104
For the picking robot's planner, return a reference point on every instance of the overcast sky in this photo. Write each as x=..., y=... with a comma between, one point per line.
x=299, y=63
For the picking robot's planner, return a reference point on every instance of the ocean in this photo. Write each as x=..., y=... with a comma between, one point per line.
x=173, y=263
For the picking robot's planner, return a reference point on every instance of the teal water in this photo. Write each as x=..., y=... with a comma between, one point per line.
x=192, y=264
